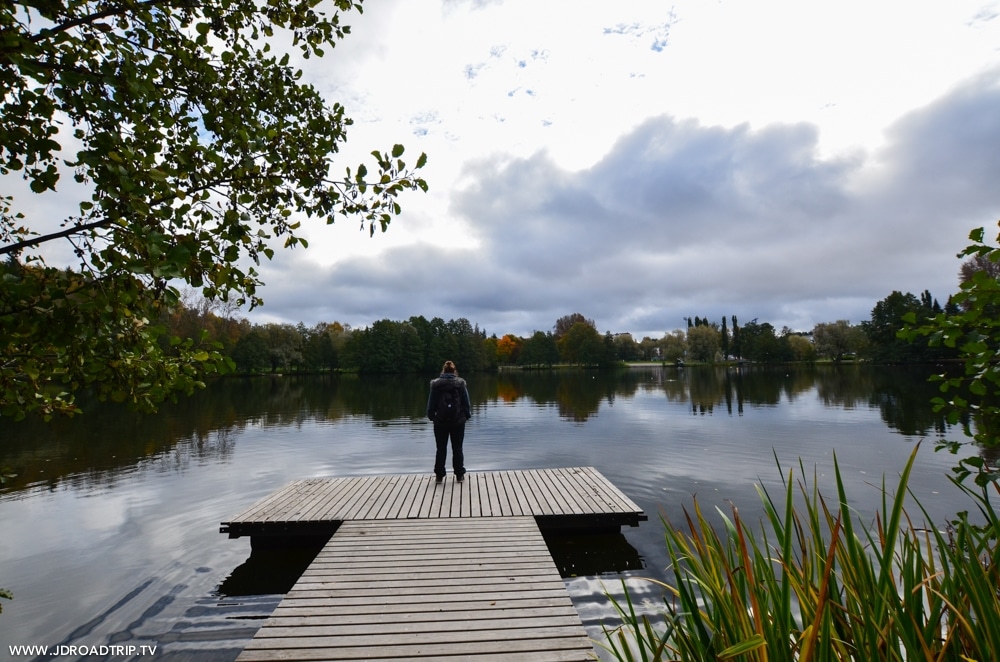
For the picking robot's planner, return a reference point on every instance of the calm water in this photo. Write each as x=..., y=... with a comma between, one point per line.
x=109, y=532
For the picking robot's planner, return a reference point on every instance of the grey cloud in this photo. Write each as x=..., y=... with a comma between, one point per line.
x=950, y=148
x=681, y=219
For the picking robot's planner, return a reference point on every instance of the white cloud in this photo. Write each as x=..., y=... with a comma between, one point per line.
x=641, y=162
x=681, y=219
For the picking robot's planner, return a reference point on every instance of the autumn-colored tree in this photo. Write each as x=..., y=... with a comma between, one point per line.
x=509, y=349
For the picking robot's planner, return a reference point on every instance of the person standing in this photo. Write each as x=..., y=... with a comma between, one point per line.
x=449, y=407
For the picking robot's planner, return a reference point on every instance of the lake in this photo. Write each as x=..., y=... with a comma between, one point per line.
x=109, y=533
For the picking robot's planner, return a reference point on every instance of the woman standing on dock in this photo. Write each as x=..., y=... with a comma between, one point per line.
x=449, y=407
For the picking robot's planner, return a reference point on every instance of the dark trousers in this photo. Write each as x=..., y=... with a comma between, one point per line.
x=442, y=432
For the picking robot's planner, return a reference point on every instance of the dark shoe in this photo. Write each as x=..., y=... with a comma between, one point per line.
x=438, y=479
x=460, y=477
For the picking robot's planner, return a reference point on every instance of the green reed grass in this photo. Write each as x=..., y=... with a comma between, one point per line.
x=820, y=582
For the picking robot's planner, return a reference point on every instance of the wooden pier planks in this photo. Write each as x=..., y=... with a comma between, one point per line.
x=578, y=492
x=478, y=588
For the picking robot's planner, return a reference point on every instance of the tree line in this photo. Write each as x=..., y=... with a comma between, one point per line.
x=421, y=345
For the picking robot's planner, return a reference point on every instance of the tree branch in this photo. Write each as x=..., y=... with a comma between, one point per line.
x=41, y=239
x=90, y=18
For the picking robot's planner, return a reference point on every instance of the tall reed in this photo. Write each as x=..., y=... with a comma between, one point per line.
x=818, y=583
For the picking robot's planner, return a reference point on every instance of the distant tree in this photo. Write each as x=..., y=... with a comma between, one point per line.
x=509, y=349
x=835, y=339
x=198, y=149
x=540, y=349
x=595, y=349
x=581, y=344
x=802, y=348
x=724, y=339
x=650, y=349
x=490, y=352
x=564, y=324
x=703, y=343
x=887, y=319
x=250, y=353
x=674, y=345
x=284, y=346
x=317, y=347
x=626, y=348
x=735, y=347
x=977, y=264
x=759, y=342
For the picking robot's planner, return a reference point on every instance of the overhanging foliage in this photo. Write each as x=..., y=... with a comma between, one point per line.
x=200, y=148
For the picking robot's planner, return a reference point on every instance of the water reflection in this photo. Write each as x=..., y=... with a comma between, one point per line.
x=269, y=571
x=108, y=441
x=111, y=526
x=592, y=555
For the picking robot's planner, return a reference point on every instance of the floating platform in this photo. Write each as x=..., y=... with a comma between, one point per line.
x=575, y=498
x=417, y=569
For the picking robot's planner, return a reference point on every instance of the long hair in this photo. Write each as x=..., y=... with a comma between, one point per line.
x=450, y=367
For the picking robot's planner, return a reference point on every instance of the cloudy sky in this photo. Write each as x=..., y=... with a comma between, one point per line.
x=641, y=162
x=644, y=161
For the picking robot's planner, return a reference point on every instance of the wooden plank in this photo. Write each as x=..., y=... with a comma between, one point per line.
x=339, y=629
x=506, y=510
x=356, y=492
x=291, y=505
x=459, y=606
x=423, y=491
x=269, y=508
x=578, y=492
x=286, y=638
x=579, y=502
x=406, y=496
x=327, y=503
x=559, y=502
x=395, y=486
x=424, y=620
x=431, y=494
x=531, y=504
x=515, y=495
x=493, y=499
x=470, y=588
x=251, y=513
x=476, y=487
x=511, y=654
x=612, y=497
x=546, y=504
x=368, y=498
x=455, y=503
x=345, y=491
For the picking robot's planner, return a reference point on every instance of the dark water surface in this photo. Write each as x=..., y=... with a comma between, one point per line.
x=109, y=531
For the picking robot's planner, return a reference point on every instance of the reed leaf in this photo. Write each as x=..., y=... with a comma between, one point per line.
x=831, y=588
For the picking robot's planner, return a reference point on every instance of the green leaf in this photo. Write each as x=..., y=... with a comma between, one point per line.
x=175, y=194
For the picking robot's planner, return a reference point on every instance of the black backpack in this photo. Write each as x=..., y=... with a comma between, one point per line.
x=449, y=404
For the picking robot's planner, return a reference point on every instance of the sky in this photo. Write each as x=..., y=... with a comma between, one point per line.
x=642, y=162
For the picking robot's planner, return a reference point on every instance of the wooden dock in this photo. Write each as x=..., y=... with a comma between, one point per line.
x=424, y=570
x=405, y=589
x=579, y=497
